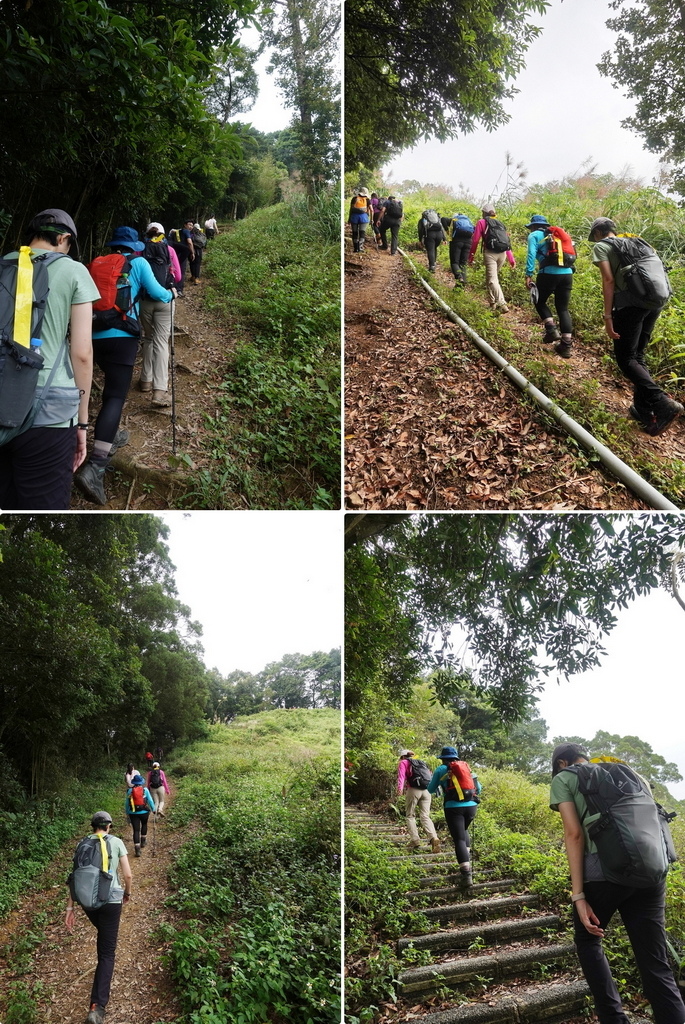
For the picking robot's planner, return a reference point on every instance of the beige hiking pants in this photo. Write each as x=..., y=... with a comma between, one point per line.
x=421, y=799
x=494, y=261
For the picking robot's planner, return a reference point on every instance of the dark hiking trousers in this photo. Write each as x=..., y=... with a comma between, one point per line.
x=106, y=920
x=36, y=470
x=635, y=328
x=643, y=915
x=432, y=241
x=458, y=820
x=139, y=823
x=459, y=257
x=560, y=286
x=393, y=226
x=358, y=234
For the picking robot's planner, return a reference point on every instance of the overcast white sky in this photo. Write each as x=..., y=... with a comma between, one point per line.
x=564, y=114
x=263, y=584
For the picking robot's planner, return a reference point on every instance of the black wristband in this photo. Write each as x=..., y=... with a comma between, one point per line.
x=82, y=426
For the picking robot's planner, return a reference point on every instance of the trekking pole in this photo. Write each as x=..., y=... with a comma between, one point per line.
x=173, y=388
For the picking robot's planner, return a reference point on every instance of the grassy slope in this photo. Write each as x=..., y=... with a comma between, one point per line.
x=259, y=886
x=275, y=278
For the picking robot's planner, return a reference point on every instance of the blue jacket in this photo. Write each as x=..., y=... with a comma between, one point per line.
x=141, y=277
x=537, y=251
x=437, y=781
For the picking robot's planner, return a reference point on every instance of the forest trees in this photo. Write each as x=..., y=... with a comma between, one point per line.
x=531, y=596
x=304, y=35
x=93, y=640
x=648, y=62
x=429, y=68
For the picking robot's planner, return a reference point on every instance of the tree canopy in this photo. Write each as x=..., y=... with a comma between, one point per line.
x=648, y=63
x=432, y=68
x=532, y=597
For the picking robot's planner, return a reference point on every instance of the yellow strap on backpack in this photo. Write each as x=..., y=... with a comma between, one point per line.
x=23, y=301
x=103, y=849
x=460, y=791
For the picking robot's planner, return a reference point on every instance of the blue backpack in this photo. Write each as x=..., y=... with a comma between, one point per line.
x=461, y=226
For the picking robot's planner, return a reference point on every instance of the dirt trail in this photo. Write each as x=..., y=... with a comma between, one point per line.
x=142, y=991
x=145, y=479
x=431, y=423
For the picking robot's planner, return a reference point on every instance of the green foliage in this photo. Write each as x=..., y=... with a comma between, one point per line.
x=430, y=81
x=297, y=681
x=22, y=1002
x=275, y=441
x=258, y=886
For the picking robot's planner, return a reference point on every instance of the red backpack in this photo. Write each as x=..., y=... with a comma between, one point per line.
x=111, y=311
x=459, y=778
x=560, y=251
x=138, y=802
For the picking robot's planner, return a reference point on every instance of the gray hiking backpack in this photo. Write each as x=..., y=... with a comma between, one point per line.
x=645, y=275
x=89, y=884
x=419, y=773
x=627, y=828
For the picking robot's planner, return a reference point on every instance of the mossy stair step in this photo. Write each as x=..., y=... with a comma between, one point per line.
x=429, y=890
x=499, y=931
x=538, y=1004
x=495, y=966
x=480, y=910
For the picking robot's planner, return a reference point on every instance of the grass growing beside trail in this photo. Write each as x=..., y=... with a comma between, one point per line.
x=259, y=885
x=276, y=439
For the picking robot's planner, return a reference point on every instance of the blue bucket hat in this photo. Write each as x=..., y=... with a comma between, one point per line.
x=538, y=221
x=137, y=780
x=128, y=237
x=449, y=754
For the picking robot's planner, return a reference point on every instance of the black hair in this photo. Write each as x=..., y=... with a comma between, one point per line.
x=102, y=823
x=46, y=227
x=568, y=752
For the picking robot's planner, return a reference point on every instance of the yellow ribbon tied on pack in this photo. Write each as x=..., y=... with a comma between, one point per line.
x=23, y=302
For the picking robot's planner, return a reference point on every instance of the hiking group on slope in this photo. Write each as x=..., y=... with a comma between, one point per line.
x=59, y=318
x=635, y=288
x=101, y=880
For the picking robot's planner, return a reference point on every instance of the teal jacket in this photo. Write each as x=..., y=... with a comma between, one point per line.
x=437, y=782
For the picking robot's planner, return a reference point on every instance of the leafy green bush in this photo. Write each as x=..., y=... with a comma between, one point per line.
x=275, y=279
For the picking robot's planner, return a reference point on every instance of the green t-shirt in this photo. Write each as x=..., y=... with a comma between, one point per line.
x=564, y=789
x=605, y=252
x=70, y=284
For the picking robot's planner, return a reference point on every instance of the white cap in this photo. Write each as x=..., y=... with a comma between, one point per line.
x=156, y=225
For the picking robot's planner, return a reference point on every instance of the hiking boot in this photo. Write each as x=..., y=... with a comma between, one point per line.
x=161, y=400
x=145, y=385
x=143, y=841
x=90, y=481
x=435, y=845
x=563, y=349
x=161, y=814
x=662, y=417
x=466, y=878
x=96, y=1014
x=413, y=844
x=120, y=439
x=551, y=334
x=136, y=850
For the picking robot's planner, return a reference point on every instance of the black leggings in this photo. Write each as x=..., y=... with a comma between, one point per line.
x=139, y=824
x=106, y=920
x=560, y=285
x=118, y=378
x=458, y=820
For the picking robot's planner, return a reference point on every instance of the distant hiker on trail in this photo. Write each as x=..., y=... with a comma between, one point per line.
x=138, y=805
x=632, y=304
x=460, y=791
x=361, y=214
x=155, y=317
x=461, y=234
x=377, y=218
x=158, y=786
x=43, y=432
x=199, y=243
x=431, y=235
x=553, y=249
x=122, y=279
x=211, y=228
x=149, y=759
x=106, y=915
x=185, y=242
x=413, y=777
x=496, y=249
x=375, y=211
x=131, y=770
x=392, y=215
x=639, y=897
x=159, y=753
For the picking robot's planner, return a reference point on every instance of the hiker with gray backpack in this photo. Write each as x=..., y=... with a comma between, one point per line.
x=496, y=245
x=635, y=288
x=431, y=235
x=413, y=776
x=619, y=850
x=100, y=882
x=46, y=365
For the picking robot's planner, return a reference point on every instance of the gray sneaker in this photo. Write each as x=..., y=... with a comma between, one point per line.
x=96, y=1014
x=120, y=439
x=90, y=481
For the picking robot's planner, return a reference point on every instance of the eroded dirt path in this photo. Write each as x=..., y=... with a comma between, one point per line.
x=142, y=991
x=432, y=424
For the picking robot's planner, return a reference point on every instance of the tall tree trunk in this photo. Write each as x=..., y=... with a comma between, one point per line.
x=303, y=101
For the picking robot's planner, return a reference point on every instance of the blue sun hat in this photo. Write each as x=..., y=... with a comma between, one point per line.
x=449, y=754
x=128, y=237
x=538, y=221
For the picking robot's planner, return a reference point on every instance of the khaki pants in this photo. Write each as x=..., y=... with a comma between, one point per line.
x=156, y=320
x=494, y=261
x=420, y=798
